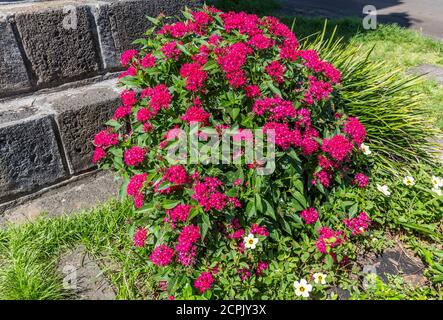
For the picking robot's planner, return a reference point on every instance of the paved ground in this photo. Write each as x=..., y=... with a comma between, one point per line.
x=429, y=71
x=75, y=196
x=83, y=276
x=425, y=15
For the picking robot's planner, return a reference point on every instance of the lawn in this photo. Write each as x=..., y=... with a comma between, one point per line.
x=29, y=253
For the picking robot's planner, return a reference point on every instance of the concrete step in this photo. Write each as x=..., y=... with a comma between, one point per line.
x=71, y=196
x=45, y=138
x=47, y=43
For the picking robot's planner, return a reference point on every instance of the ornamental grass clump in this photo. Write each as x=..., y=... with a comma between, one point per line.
x=206, y=76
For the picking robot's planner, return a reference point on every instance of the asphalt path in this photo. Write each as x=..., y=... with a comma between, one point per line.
x=423, y=15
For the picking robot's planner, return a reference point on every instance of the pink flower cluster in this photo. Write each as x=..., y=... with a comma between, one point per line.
x=185, y=248
x=196, y=113
x=140, y=237
x=129, y=98
x=318, y=90
x=259, y=230
x=359, y=224
x=127, y=56
x=195, y=76
x=310, y=215
x=262, y=266
x=180, y=213
x=279, y=108
x=134, y=156
x=208, y=196
x=329, y=239
x=160, y=98
x=148, y=61
x=103, y=140
x=231, y=60
x=313, y=62
x=176, y=175
x=135, y=187
x=171, y=51
x=204, y=281
x=361, y=180
x=198, y=25
x=162, y=255
x=355, y=130
x=275, y=70
x=338, y=147
x=252, y=91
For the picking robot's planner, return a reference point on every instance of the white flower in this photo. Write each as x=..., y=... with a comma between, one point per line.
x=302, y=288
x=437, y=191
x=437, y=182
x=409, y=181
x=250, y=241
x=365, y=149
x=319, y=278
x=384, y=189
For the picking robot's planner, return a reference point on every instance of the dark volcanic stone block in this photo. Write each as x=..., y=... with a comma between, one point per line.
x=13, y=75
x=128, y=18
x=29, y=156
x=80, y=114
x=58, y=48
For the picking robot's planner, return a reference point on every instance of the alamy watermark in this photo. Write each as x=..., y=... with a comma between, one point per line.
x=370, y=21
x=222, y=146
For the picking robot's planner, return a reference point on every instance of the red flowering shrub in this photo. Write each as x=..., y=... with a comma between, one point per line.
x=201, y=221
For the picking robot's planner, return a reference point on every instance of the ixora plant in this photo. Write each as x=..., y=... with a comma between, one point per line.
x=205, y=224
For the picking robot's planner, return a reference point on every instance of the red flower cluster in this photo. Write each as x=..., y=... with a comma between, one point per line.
x=195, y=76
x=359, y=224
x=162, y=255
x=310, y=215
x=196, y=113
x=204, y=281
x=329, y=239
x=171, y=51
x=140, y=237
x=185, y=248
x=355, y=130
x=134, y=156
x=338, y=147
x=361, y=180
x=180, y=213
x=103, y=140
x=275, y=70
x=134, y=188
x=209, y=197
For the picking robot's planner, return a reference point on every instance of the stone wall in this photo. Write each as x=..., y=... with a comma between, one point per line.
x=58, y=62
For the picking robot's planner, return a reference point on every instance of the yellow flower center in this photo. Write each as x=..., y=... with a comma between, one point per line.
x=251, y=241
x=302, y=289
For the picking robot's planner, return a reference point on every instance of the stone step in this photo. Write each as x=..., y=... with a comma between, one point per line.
x=45, y=138
x=47, y=43
x=72, y=196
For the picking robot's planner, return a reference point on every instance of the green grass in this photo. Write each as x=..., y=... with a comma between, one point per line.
x=29, y=253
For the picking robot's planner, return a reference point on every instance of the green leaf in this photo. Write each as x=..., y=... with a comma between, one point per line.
x=300, y=199
x=269, y=211
x=206, y=224
x=258, y=203
x=274, y=89
x=170, y=204
x=250, y=209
